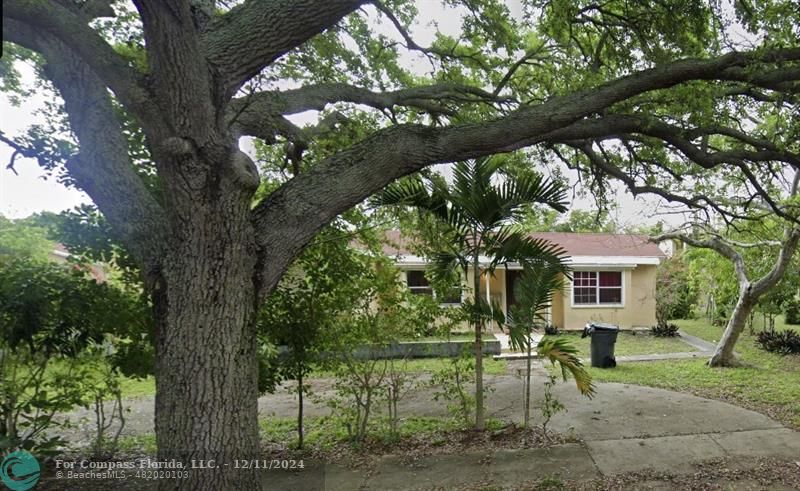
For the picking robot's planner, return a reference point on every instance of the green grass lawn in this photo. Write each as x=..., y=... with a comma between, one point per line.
x=769, y=384
x=423, y=365
x=629, y=343
x=132, y=387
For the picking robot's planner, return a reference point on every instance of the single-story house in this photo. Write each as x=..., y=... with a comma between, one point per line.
x=613, y=279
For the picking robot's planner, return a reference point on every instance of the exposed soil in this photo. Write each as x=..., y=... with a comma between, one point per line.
x=416, y=447
x=713, y=475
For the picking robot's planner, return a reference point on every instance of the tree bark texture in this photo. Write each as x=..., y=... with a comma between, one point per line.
x=723, y=355
x=206, y=372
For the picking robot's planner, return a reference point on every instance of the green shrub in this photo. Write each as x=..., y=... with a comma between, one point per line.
x=793, y=312
x=784, y=342
x=664, y=330
x=551, y=330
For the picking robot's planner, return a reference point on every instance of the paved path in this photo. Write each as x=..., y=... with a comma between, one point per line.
x=505, y=340
x=703, y=347
x=624, y=428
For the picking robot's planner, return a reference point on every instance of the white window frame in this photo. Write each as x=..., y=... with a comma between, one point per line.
x=429, y=288
x=597, y=304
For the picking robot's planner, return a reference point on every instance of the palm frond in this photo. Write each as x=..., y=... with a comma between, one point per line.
x=559, y=350
x=444, y=262
x=410, y=191
x=485, y=311
x=508, y=245
x=527, y=189
x=534, y=292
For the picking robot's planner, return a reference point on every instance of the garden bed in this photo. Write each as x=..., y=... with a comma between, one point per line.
x=418, y=437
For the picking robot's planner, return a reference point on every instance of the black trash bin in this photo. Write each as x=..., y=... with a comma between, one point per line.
x=604, y=336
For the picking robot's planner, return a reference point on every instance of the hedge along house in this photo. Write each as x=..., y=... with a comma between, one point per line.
x=614, y=279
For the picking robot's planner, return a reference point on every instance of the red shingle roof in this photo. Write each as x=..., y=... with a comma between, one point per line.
x=576, y=244
x=398, y=244
x=595, y=244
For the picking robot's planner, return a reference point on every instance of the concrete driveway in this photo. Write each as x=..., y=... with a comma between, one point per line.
x=624, y=428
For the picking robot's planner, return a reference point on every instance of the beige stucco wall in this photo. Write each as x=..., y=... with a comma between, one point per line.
x=497, y=291
x=557, y=307
x=638, y=310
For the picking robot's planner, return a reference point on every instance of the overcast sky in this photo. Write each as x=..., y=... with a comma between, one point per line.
x=29, y=192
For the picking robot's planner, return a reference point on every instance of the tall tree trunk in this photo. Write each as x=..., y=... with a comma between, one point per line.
x=480, y=419
x=723, y=355
x=749, y=291
x=205, y=299
x=528, y=346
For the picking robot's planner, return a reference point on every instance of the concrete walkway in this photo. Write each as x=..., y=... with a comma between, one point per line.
x=505, y=341
x=699, y=343
x=703, y=347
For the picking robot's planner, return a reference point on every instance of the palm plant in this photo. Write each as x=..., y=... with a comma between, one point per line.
x=534, y=293
x=480, y=211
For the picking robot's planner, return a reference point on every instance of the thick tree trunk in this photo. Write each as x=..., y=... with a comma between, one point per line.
x=723, y=355
x=205, y=299
x=206, y=377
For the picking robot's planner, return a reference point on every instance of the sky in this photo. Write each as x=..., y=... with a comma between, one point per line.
x=28, y=192
x=31, y=191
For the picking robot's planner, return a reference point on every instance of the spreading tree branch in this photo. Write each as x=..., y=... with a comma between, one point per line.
x=348, y=177
x=256, y=114
x=179, y=82
x=103, y=168
x=71, y=27
x=249, y=37
x=715, y=243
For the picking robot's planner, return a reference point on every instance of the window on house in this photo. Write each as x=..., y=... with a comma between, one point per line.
x=451, y=296
x=597, y=287
x=418, y=283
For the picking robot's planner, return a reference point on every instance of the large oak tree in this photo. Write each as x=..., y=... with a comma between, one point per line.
x=194, y=76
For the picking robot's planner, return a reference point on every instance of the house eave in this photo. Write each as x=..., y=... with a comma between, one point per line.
x=612, y=261
x=625, y=262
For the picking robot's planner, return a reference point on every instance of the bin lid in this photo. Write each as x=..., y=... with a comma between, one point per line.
x=601, y=326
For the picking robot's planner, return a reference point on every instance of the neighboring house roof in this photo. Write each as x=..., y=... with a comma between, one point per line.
x=61, y=253
x=397, y=244
x=584, y=249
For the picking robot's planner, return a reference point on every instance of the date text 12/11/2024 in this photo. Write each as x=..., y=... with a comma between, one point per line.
x=268, y=464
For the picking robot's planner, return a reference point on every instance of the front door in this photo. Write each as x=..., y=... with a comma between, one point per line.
x=512, y=277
